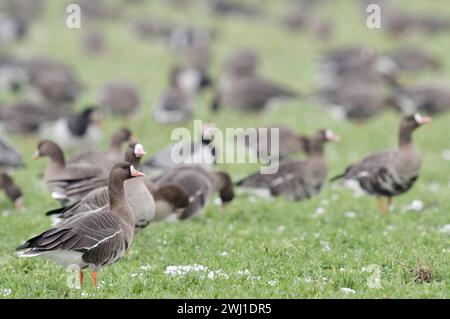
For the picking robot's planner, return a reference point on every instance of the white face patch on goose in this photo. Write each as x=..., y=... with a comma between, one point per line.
x=418, y=118
x=139, y=150
x=134, y=172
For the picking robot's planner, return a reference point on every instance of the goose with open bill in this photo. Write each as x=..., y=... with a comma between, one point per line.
x=392, y=172
x=92, y=240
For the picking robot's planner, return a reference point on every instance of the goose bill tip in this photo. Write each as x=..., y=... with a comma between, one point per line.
x=134, y=172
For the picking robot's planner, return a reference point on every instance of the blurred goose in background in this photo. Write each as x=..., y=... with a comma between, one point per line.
x=13, y=78
x=240, y=87
x=150, y=28
x=107, y=158
x=202, y=152
x=9, y=156
x=12, y=191
x=392, y=172
x=119, y=98
x=68, y=183
x=75, y=131
x=234, y=8
x=91, y=240
x=199, y=184
x=429, y=98
x=25, y=117
x=288, y=143
x=412, y=59
x=93, y=42
x=295, y=179
x=177, y=103
x=56, y=82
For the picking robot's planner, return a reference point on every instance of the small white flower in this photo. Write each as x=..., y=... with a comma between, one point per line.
x=6, y=291
x=184, y=269
x=223, y=254
x=446, y=155
x=281, y=228
x=146, y=267
x=272, y=282
x=416, y=206
x=217, y=201
x=325, y=246
x=319, y=212
x=133, y=275
x=350, y=214
x=445, y=229
x=347, y=291
x=6, y=213
x=84, y=294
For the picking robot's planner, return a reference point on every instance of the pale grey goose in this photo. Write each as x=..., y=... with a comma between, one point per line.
x=9, y=156
x=392, y=172
x=295, y=179
x=91, y=240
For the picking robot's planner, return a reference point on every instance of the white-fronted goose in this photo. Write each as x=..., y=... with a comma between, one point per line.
x=202, y=152
x=410, y=59
x=288, y=143
x=12, y=191
x=91, y=240
x=107, y=158
x=392, y=172
x=429, y=98
x=240, y=87
x=234, y=8
x=119, y=98
x=68, y=183
x=295, y=179
x=174, y=106
x=76, y=131
x=9, y=157
x=93, y=42
x=199, y=184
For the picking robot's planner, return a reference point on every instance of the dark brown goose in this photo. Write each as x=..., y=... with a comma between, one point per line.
x=68, y=183
x=295, y=179
x=91, y=240
x=392, y=172
x=12, y=191
x=199, y=184
x=107, y=158
x=119, y=98
x=412, y=59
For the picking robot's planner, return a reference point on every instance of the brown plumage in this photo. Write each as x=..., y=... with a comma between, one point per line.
x=91, y=240
x=12, y=191
x=392, y=172
x=68, y=183
x=119, y=98
x=295, y=179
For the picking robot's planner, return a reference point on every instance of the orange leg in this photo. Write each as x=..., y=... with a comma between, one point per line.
x=94, y=276
x=81, y=277
x=381, y=205
x=390, y=200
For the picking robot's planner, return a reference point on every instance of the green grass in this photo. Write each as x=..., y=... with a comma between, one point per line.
x=288, y=249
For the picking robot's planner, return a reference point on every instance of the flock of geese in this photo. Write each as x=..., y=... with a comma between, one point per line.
x=107, y=196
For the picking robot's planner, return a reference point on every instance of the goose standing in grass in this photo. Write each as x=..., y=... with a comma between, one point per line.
x=119, y=98
x=68, y=183
x=202, y=152
x=12, y=191
x=199, y=184
x=76, y=131
x=240, y=86
x=91, y=240
x=9, y=156
x=392, y=172
x=106, y=159
x=295, y=179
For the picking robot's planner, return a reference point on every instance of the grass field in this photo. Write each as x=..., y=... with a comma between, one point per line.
x=255, y=248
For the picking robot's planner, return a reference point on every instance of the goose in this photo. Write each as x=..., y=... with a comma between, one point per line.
x=9, y=157
x=295, y=179
x=199, y=184
x=92, y=240
x=241, y=88
x=119, y=98
x=75, y=131
x=146, y=201
x=411, y=59
x=12, y=191
x=202, y=152
x=392, y=172
x=68, y=183
x=107, y=158
x=287, y=143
